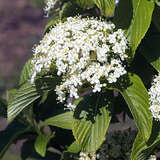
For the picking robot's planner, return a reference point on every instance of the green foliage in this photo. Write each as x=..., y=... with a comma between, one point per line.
x=3, y=107
x=123, y=14
x=27, y=94
x=155, y=18
x=90, y=123
x=63, y=120
x=137, y=99
x=107, y=7
x=26, y=72
x=85, y=4
x=142, y=14
x=141, y=149
x=41, y=144
x=150, y=50
x=9, y=135
x=74, y=147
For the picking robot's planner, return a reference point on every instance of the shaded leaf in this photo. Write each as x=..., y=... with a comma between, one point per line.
x=91, y=120
x=12, y=132
x=157, y=2
x=85, y=4
x=54, y=20
x=151, y=51
x=68, y=9
x=123, y=14
x=3, y=107
x=142, y=15
x=28, y=152
x=156, y=17
x=41, y=144
x=26, y=72
x=63, y=120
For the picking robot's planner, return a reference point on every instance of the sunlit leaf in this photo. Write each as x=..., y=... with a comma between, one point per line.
x=137, y=98
x=107, y=7
x=27, y=94
x=142, y=15
x=141, y=149
x=63, y=120
x=91, y=120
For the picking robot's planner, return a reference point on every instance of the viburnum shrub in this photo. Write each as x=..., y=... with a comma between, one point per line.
x=97, y=59
x=84, y=51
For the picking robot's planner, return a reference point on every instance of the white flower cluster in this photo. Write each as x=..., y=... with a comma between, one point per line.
x=84, y=50
x=152, y=157
x=49, y=4
x=86, y=156
x=154, y=94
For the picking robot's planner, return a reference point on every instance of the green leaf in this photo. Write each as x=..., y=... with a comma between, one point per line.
x=123, y=14
x=10, y=94
x=3, y=107
x=63, y=120
x=91, y=120
x=54, y=20
x=24, y=96
x=41, y=144
x=142, y=15
x=137, y=98
x=138, y=146
x=107, y=7
x=85, y=4
x=150, y=49
x=67, y=10
x=157, y=2
x=156, y=17
x=28, y=93
x=74, y=147
x=26, y=72
x=141, y=149
x=12, y=132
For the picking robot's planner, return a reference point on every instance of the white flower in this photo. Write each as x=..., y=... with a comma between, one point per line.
x=83, y=54
x=154, y=93
x=49, y=4
x=71, y=106
x=155, y=109
x=87, y=156
x=152, y=157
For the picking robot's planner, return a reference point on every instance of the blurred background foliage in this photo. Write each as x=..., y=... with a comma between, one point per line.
x=22, y=25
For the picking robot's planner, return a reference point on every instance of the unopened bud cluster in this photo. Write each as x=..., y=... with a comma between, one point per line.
x=154, y=94
x=85, y=51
